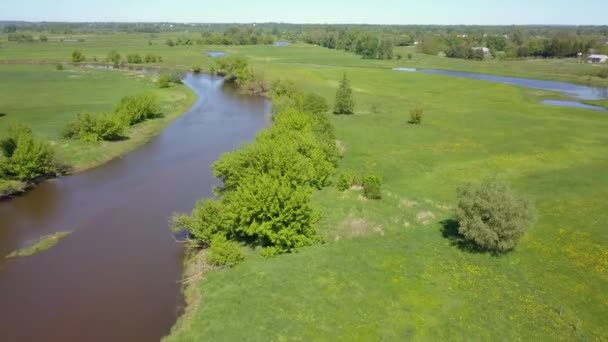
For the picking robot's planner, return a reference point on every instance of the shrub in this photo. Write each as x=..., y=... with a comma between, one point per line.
x=170, y=42
x=43, y=38
x=135, y=109
x=603, y=73
x=371, y=187
x=344, y=98
x=59, y=67
x=285, y=88
x=77, y=56
x=134, y=59
x=114, y=57
x=88, y=127
x=26, y=157
x=273, y=212
x=206, y=221
x=234, y=69
x=150, y=58
x=492, y=216
x=224, y=252
x=416, y=115
x=347, y=180
x=196, y=69
x=163, y=81
x=315, y=104
x=410, y=56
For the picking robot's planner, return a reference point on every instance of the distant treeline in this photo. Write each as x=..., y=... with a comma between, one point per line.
x=517, y=44
x=366, y=44
x=231, y=36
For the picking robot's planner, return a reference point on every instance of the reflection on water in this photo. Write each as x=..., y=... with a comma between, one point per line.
x=581, y=92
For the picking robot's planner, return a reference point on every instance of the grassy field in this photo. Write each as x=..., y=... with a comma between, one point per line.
x=389, y=269
x=46, y=99
x=184, y=57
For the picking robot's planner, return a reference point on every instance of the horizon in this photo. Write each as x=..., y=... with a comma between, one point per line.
x=339, y=12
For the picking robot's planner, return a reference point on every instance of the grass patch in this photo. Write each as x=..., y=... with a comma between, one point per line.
x=44, y=243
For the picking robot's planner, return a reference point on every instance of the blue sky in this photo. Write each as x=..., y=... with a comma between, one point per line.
x=482, y=12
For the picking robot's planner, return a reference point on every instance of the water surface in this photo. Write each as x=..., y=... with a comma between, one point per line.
x=116, y=277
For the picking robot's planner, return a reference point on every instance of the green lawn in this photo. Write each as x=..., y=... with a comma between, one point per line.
x=387, y=272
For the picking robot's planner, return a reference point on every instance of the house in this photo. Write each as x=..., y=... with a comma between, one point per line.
x=597, y=59
x=485, y=50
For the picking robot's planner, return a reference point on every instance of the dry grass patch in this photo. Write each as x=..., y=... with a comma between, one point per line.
x=341, y=146
x=405, y=203
x=357, y=227
x=425, y=217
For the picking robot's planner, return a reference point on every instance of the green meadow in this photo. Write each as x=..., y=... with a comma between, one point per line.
x=47, y=99
x=389, y=269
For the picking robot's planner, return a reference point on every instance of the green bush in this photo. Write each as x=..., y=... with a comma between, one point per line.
x=234, y=69
x=77, y=56
x=88, y=127
x=224, y=252
x=372, y=187
x=416, y=115
x=603, y=73
x=196, y=69
x=493, y=217
x=206, y=221
x=150, y=58
x=315, y=104
x=138, y=108
x=114, y=57
x=26, y=158
x=345, y=103
x=59, y=67
x=347, y=180
x=134, y=59
x=163, y=81
x=285, y=88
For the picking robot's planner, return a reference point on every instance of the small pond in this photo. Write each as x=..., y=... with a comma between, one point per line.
x=281, y=43
x=216, y=54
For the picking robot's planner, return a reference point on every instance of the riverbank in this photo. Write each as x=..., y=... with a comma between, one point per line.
x=99, y=87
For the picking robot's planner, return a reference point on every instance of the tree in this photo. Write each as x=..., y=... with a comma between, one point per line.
x=492, y=217
x=9, y=29
x=344, y=98
x=77, y=56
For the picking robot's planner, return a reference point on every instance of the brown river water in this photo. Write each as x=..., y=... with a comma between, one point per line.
x=116, y=277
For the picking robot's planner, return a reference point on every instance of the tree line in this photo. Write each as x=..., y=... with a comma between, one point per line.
x=518, y=44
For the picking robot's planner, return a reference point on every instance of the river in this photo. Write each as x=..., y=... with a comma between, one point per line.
x=116, y=277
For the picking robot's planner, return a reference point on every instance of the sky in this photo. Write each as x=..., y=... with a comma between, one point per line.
x=479, y=12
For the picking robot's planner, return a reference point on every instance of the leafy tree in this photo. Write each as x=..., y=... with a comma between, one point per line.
x=492, y=216
x=344, y=98
x=9, y=28
x=77, y=56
